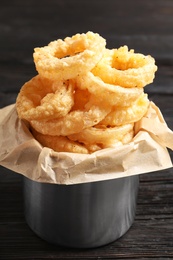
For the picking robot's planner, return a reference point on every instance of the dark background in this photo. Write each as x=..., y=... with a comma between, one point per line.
x=147, y=27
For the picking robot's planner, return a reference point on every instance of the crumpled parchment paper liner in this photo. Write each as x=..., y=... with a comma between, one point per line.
x=21, y=153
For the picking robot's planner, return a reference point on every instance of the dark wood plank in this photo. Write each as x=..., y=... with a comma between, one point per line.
x=150, y=233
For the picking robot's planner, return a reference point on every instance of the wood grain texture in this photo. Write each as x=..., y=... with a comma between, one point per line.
x=145, y=26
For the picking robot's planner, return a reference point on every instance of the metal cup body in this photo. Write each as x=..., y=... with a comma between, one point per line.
x=83, y=215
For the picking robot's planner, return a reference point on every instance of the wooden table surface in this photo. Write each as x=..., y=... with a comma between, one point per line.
x=147, y=27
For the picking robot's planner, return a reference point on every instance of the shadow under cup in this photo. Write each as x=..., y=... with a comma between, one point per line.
x=83, y=215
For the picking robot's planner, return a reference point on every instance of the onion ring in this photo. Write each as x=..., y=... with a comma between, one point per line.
x=127, y=115
x=59, y=143
x=74, y=121
x=115, y=95
x=126, y=68
x=66, y=59
x=107, y=136
x=41, y=98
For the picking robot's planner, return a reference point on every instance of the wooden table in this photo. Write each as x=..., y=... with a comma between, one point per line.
x=146, y=26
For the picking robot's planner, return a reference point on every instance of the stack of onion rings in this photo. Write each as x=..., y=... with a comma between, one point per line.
x=85, y=97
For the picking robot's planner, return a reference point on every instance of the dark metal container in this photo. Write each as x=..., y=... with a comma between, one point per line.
x=83, y=215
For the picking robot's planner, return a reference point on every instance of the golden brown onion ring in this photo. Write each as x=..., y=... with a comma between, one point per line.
x=126, y=115
x=75, y=121
x=65, y=59
x=115, y=95
x=40, y=98
x=59, y=143
x=106, y=136
x=126, y=68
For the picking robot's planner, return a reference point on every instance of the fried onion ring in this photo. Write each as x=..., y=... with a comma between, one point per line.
x=107, y=136
x=75, y=121
x=66, y=59
x=126, y=68
x=59, y=143
x=126, y=115
x=115, y=95
x=41, y=98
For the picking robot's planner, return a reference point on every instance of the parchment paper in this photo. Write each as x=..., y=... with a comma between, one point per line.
x=21, y=153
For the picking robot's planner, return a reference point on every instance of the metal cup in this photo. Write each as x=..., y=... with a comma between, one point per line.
x=83, y=215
